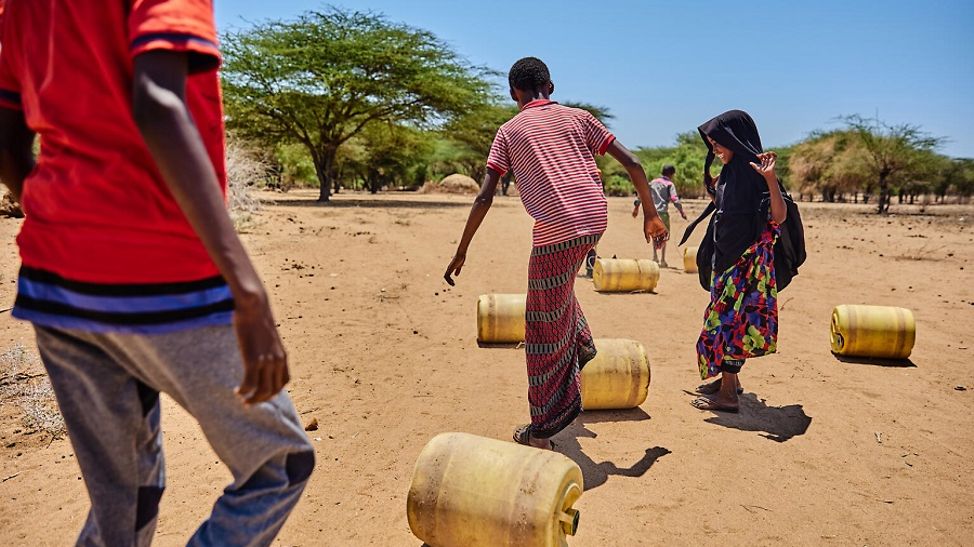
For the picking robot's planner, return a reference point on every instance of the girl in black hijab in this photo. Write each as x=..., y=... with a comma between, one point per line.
x=742, y=319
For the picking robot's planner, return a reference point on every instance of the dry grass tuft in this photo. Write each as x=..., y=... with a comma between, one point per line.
x=31, y=392
x=245, y=173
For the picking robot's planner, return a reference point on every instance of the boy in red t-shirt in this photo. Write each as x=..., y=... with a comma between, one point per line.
x=132, y=274
x=551, y=149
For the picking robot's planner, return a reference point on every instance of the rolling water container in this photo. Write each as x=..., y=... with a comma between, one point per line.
x=625, y=275
x=618, y=377
x=879, y=332
x=500, y=318
x=469, y=491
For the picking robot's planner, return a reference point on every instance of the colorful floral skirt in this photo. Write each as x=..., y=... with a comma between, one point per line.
x=742, y=319
x=557, y=340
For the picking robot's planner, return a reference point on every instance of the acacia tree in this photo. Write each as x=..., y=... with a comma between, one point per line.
x=894, y=153
x=323, y=78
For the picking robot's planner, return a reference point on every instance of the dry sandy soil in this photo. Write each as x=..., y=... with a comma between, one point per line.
x=384, y=355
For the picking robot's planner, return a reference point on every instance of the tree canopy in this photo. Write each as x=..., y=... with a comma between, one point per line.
x=322, y=79
x=350, y=99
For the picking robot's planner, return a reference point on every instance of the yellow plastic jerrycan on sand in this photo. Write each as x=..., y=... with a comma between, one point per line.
x=618, y=377
x=500, y=318
x=880, y=332
x=469, y=491
x=625, y=275
x=690, y=259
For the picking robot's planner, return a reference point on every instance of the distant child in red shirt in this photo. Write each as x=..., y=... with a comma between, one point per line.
x=551, y=149
x=132, y=274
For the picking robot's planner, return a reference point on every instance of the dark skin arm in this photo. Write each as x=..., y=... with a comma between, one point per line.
x=779, y=212
x=16, y=150
x=160, y=111
x=477, y=213
x=653, y=228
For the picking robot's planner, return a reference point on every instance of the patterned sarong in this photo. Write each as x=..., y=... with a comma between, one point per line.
x=742, y=319
x=558, y=341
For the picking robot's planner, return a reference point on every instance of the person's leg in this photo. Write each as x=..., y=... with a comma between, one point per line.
x=555, y=333
x=590, y=262
x=264, y=445
x=711, y=388
x=113, y=423
x=726, y=398
x=665, y=217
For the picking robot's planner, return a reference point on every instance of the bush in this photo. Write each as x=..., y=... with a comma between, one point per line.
x=245, y=173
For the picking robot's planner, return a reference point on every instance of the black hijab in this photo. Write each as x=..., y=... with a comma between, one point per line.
x=739, y=189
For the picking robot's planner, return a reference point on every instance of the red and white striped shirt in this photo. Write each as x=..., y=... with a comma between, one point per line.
x=551, y=149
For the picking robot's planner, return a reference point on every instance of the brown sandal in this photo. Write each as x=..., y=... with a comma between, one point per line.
x=703, y=403
x=522, y=435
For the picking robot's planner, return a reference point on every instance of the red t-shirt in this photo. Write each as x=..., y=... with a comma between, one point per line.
x=97, y=209
x=551, y=149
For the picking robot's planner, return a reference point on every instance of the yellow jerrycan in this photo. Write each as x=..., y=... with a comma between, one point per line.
x=500, y=318
x=625, y=275
x=879, y=332
x=617, y=378
x=469, y=491
x=690, y=259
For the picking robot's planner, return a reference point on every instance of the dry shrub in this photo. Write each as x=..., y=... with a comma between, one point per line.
x=453, y=184
x=30, y=391
x=9, y=207
x=245, y=173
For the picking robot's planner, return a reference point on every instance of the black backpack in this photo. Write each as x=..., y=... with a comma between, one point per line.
x=789, y=250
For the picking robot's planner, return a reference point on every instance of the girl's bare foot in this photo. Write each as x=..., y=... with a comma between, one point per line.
x=714, y=387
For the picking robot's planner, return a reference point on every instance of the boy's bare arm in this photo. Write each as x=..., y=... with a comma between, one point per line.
x=652, y=225
x=477, y=213
x=160, y=111
x=679, y=207
x=16, y=150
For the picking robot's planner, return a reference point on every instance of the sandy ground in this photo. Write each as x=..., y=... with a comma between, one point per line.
x=384, y=355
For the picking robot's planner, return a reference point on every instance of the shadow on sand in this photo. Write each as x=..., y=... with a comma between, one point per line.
x=777, y=423
x=895, y=363
x=596, y=474
x=366, y=202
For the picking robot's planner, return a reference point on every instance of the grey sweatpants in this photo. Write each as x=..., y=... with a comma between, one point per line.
x=108, y=384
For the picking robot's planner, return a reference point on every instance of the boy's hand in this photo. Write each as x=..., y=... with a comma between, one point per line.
x=655, y=231
x=454, y=268
x=766, y=169
x=264, y=358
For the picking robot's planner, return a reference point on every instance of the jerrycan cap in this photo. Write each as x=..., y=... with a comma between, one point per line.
x=569, y=521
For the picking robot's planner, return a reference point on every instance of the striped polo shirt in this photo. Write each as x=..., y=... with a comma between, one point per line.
x=551, y=150
x=104, y=246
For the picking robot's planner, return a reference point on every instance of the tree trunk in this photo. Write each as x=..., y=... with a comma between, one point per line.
x=884, y=196
x=325, y=170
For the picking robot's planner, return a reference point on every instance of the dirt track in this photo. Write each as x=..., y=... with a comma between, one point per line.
x=384, y=356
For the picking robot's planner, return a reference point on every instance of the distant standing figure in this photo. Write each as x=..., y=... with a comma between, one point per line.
x=663, y=191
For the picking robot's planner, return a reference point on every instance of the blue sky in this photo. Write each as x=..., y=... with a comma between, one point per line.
x=665, y=67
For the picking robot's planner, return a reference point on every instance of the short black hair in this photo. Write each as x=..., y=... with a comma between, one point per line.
x=668, y=170
x=529, y=74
